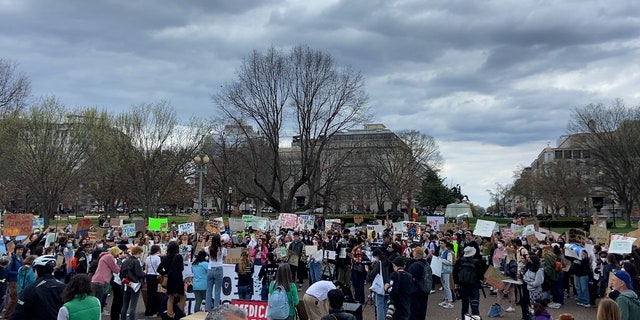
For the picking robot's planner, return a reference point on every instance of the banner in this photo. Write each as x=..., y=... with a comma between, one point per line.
x=187, y=228
x=129, y=230
x=18, y=224
x=435, y=222
x=621, y=244
x=158, y=224
x=288, y=220
x=305, y=222
x=484, y=228
x=256, y=310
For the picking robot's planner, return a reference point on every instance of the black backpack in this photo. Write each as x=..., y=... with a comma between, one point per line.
x=467, y=274
x=426, y=283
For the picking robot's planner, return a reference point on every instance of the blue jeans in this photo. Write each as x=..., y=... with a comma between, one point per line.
x=130, y=299
x=214, y=277
x=264, y=292
x=446, y=287
x=470, y=296
x=314, y=271
x=582, y=286
x=244, y=292
x=381, y=306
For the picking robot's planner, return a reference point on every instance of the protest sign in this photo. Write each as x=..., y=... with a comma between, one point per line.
x=294, y=259
x=375, y=231
x=38, y=223
x=484, y=228
x=517, y=230
x=233, y=255
x=311, y=250
x=305, y=222
x=436, y=266
x=236, y=224
x=572, y=250
x=248, y=220
x=495, y=278
x=333, y=224
x=256, y=309
x=187, y=228
x=140, y=225
x=635, y=234
x=50, y=238
x=158, y=224
x=531, y=239
x=435, y=222
x=288, y=220
x=18, y=224
x=358, y=219
x=261, y=223
x=600, y=234
x=129, y=230
x=531, y=221
x=621, y=244
x=507, y=233
x=577, y=236
x=444, y=227
x=115, y=222
x=3, y=248
x=528, y=229
x=185, y=252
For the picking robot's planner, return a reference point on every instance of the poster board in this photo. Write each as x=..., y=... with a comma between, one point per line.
x=484, y=228
x=18, y=224
x=621, y=244
x=436, y=266
x=577, y=236
x=358, y=219
x=305, y=222
x=188, y=228
x=233, y=256
x=294, y=259
x=375, y=231
x=531, y=221
x=38, y=223
x=236, y=224
x=495, y=278
x=115, y=222
x=311, y=250
x=600, y=234
x=140, y=225
x=635, y=234
x=288, y=220
x=261, y=223
x=129, y=230
x=444, y=227
x=507, y=233
x=435, y=222
x=158, y=224
x=532, y=240
x=333, y=224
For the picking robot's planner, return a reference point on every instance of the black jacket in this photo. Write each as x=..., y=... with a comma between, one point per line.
x=40, y=300
x=479, y=271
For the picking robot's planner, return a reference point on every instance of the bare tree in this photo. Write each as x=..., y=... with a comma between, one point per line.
x=612, y=135
x=306, y=87
x=15, y=89
x=51, y=148
x=155, y=149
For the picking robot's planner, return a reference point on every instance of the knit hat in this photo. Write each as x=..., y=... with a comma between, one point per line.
x=624, y=277
x=469, y=252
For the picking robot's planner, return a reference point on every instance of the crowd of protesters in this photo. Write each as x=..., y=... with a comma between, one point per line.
x=113, y=270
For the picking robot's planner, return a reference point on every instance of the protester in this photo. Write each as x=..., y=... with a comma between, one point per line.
x=107, y=266
x=244, y=269
x=172, y=266
x=539, y=310
x=26, y=276
x=284, y=278
x=315, y=298
x=467, y=274
x=12, y=276
x=447, y=256
x=217, y=253
x=420, y=292
x=399, y=288
x=336, y=301
x=132, y=277
x=608, y=310
x=78, y=301
x=379, y=262
x=41, y=299
x=199, y=268
x=360, y=262
x=267, y=274
x=627, y=300
x=582, y=271
x=151, y=264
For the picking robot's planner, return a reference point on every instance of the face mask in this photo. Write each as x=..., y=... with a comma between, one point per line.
x=499, y=245
x=69, y=245
x=603, y=259
x=100, y=246
x=374, y=259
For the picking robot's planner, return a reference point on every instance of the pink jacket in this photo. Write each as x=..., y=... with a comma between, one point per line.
x=263, y=254
x=107, y=266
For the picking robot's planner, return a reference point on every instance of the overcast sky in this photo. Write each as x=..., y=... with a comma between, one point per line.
x=492, y=81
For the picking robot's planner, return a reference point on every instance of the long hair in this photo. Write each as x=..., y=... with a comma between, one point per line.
x=79, y=284
x=283, y=276
x=200, y=257
x=172, y=249
x=244, y=263
x=535, y=263
x=608, y=310
x=215, y=246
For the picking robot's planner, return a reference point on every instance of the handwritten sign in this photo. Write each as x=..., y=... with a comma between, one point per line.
x=233, y=255
x=577, y=236
x=484, y=228
x=507, y=233
x=306, y=222
x=358, y=218
x=129, y=230
x=531, y=221
x=115, y=222
x=444, y=227
x=236, y=224
x=261, y=223
x=435, y=222
x=495, y=278
x=288, y=220
x=18, y=224
x=600, y=234
x=187, y=228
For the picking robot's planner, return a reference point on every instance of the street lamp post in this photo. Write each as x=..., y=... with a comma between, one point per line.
x=201, y=169
x=613, y=209
x=230, y=193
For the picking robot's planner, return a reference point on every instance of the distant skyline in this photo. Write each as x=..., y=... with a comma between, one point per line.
x=493, y=81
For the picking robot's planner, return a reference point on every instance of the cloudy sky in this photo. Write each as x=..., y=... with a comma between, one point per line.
x=493, y=81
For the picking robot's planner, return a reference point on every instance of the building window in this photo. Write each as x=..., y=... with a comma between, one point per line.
x=559, y=154
x=577, y=154
x=586, y=154
x=567, y=154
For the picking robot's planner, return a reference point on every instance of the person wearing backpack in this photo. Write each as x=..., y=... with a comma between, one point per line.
x=283, y=295
x=551, y=274
x=421, y=272
x=467, y=274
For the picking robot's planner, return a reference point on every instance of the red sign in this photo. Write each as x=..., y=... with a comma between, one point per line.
x=256, y=310
x=18, y=224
